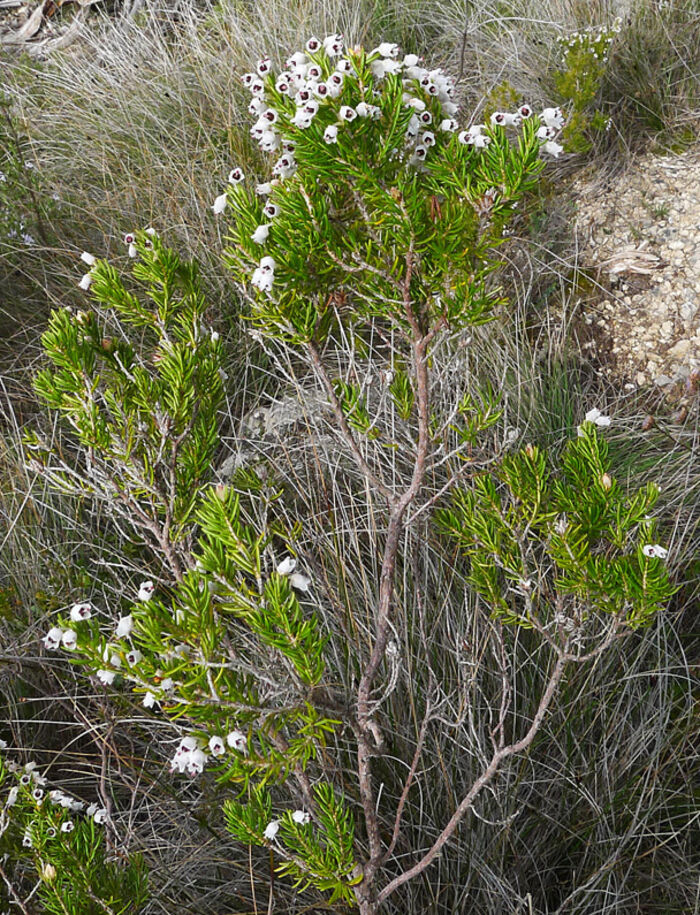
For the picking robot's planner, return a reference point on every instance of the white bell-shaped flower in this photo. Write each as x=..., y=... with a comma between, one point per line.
x=69, y=639
x=217, y=746
x=302, y=120
x=219, y=204
x=387, y=49
x=261, y=233
x=297, y=59
x=196, y=762
x=287, y=566
x=264, y=66
x=299, y=581
x=595, y=416
x=552, y=117
x=124, y=626
x=237, y=741
x=52, y=639
x=262, y=281
x=330, y=134
x=269, y=141
x=552, y=148
x=333, y=45
x=655, y=551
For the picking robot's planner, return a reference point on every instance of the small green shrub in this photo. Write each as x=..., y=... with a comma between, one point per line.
x=53, y=842
x=578, y=82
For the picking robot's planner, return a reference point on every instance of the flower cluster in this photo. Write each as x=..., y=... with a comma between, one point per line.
x=593, y=40
x=325, y=97
x=296, y=579
x=58, y=637
x=193, y=753
x=578, y=83
x=300, y=817
x=654, y=551
x=596, y=417
x=30, y=787
x=191, y=757
x=551, y=122
x=90, y=259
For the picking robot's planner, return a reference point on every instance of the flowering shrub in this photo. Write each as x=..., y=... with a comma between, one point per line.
x=381, y=164
x=380, y=210
x=59, y=838
x=584, y=58
x=23, y=208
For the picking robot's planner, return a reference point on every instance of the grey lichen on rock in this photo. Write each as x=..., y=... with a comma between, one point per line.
x=286, y=423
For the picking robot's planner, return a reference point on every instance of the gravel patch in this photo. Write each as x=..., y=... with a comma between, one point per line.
x=641, y=237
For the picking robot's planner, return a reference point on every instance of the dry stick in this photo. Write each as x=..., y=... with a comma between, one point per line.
x=421, y=341
x=407, y=786
x=480, y=783
x=564, y=656
x=13, y=892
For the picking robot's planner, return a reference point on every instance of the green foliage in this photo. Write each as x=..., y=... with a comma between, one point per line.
x=363, y=231
x=542, y=541
x=138, y=379
x=362, y=227
x=402, y=394
x=204, y=653
x=351, y=403
x=316, y=850
x=64, y=849
x=477, y=415
x=652, y=81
